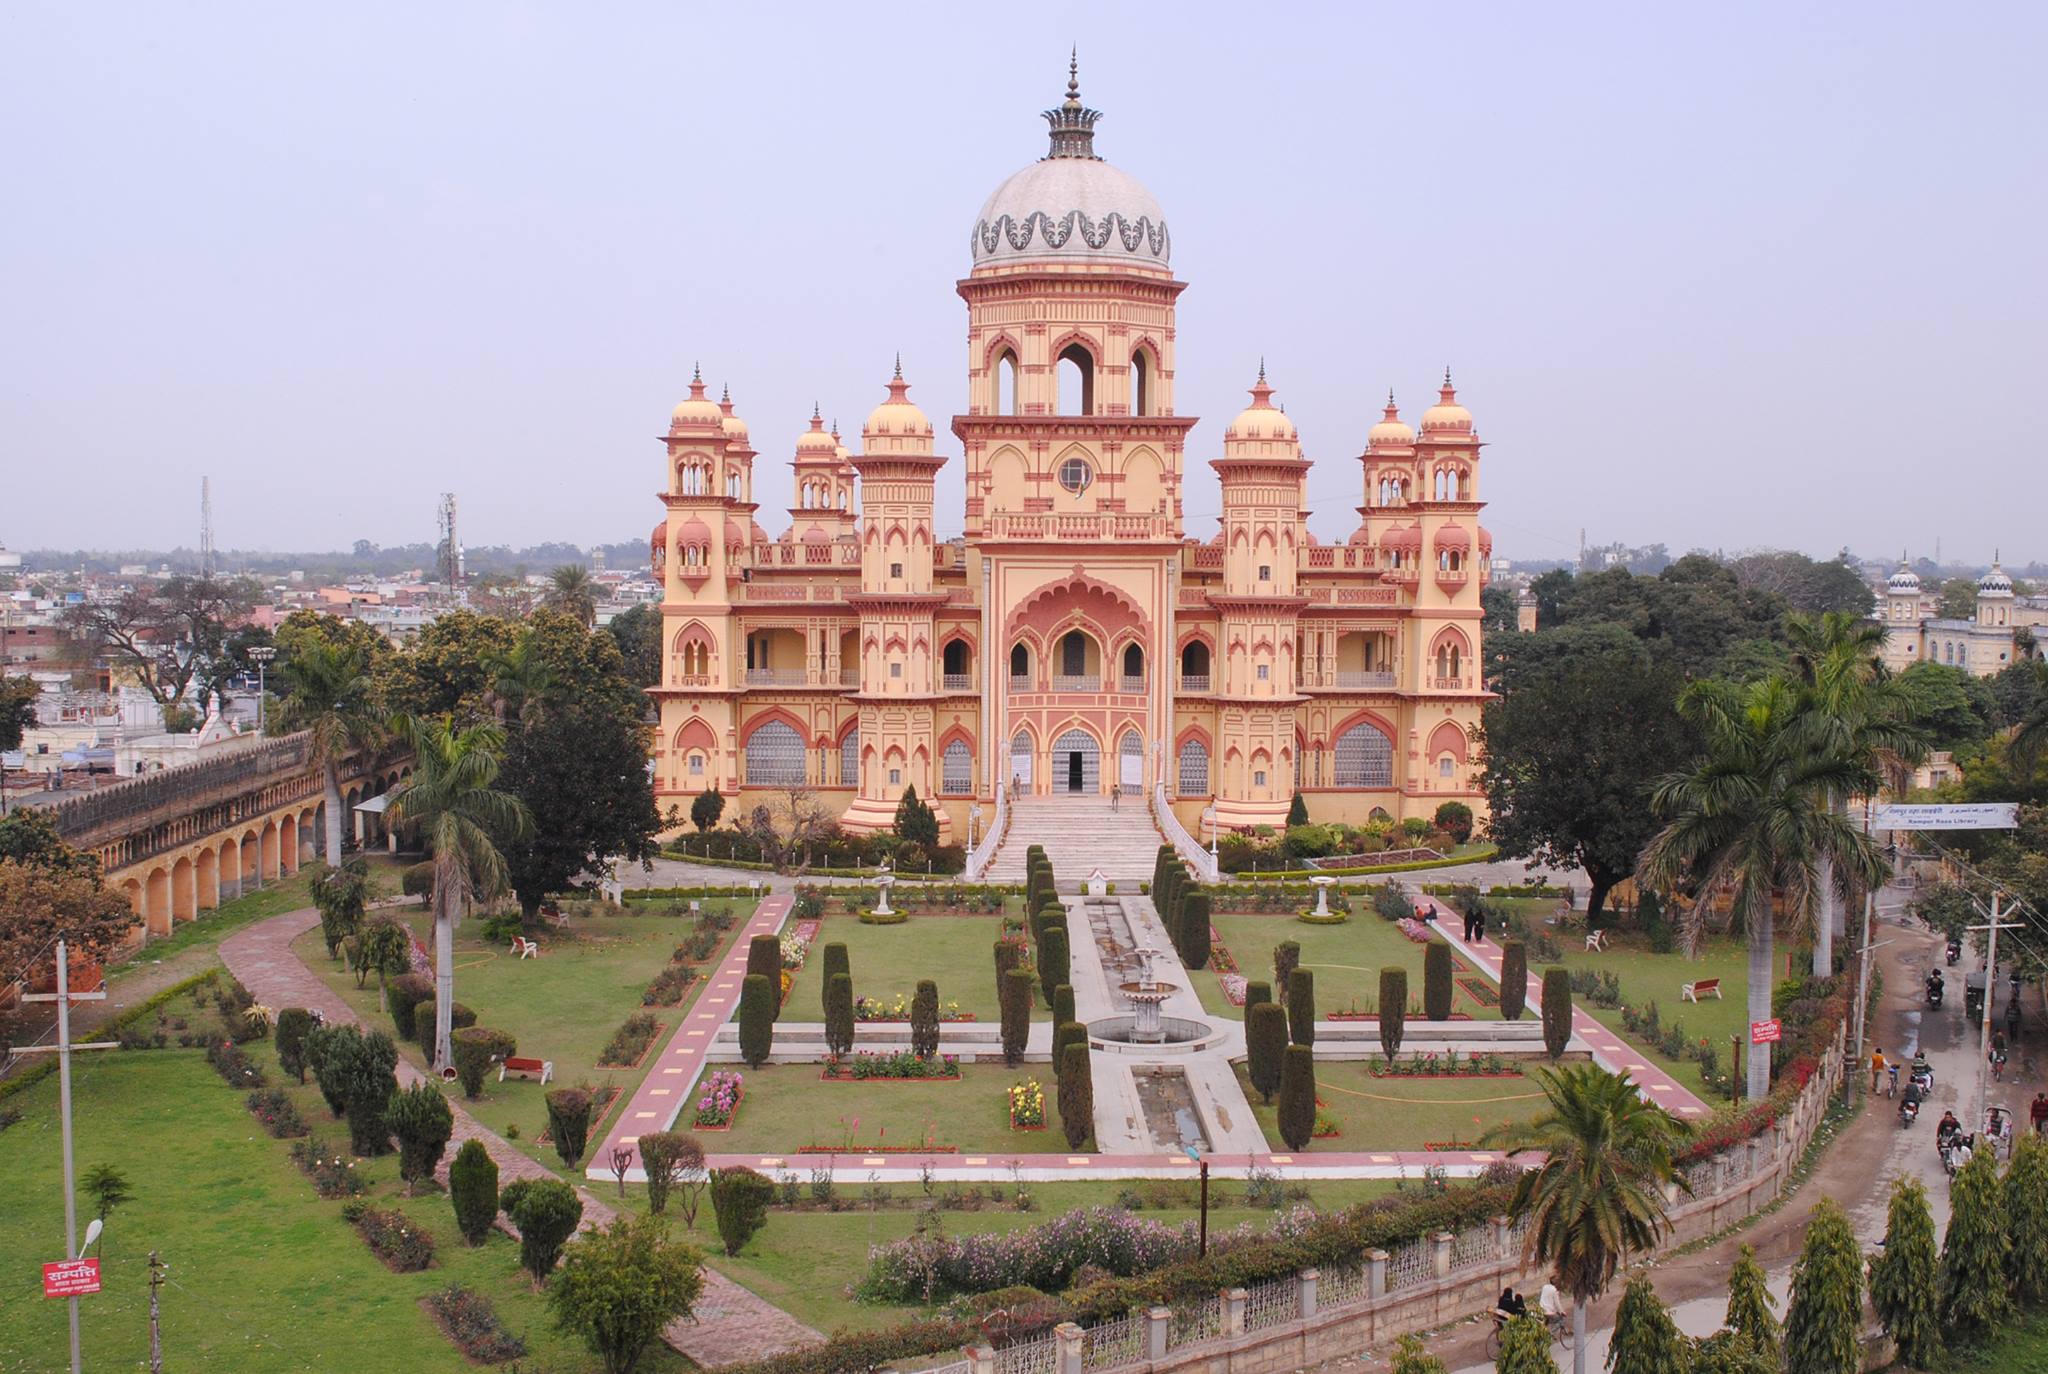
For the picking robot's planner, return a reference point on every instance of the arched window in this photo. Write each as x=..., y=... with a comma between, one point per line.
x=1194, y=666
x=1020, y=663
x=954, y=658
x=1134, y=666
x=1020, y=759
x=1194, y=767
x=1003, y=375
x=956, y=774
x=1130, y=761
x=1365, y=757
x=1073, y=654
x=775, y=756
x=1141, y=383
x=849, y=759
x=1076, y=381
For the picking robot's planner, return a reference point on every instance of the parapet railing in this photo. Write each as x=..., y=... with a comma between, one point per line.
x=984, y=853
x=1186, y=845
x=121, y=804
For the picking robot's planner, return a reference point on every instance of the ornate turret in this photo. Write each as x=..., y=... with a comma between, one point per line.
x=1073, y=124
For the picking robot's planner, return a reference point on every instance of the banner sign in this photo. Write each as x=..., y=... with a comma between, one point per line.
x=1960, y=816
x=71, y=1278
x=1764, y=1032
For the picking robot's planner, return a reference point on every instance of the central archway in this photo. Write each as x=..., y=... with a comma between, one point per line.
x=1076, y=763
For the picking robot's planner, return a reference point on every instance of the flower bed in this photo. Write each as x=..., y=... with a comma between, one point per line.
x=630, y=1043
x=1478, y=989
x=1233, y=988
x=897, y=1008
x=796, y=944
x=404, y=1246
x=274, y=1108
x=668, y=986
x=333, y=1173
x=903, y=1066
x=468, y=1319
x=1439, y=1146
x=1446, y=1065
x=718, y=1100
x=926, y=1149
x=1421, y=932
x=1027, y=1106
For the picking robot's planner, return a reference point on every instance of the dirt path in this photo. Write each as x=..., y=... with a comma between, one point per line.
x=731, y=1322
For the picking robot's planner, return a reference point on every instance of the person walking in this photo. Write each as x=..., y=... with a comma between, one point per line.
x=2038, y=1113
x=1876, y=1068
x=1116, y=792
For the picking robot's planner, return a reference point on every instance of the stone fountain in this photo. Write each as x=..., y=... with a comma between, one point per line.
x=1323, y=884
x=1145, y=996
x=883, y=881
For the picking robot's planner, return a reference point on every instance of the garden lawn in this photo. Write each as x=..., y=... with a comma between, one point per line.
x=788, y=1106
x=1346, y=959
x=562, y=1005
x=804, y=1260
x=956, y=952
x=1404, y=1113
x=264, y=1276
x=1647, y=978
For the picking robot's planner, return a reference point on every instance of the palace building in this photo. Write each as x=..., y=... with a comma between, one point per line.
x=1076, y=637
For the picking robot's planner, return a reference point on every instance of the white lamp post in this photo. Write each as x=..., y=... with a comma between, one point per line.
x=261, y=654
x=1215, y=842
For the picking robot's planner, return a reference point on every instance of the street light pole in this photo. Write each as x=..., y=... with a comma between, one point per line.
x=262, y=654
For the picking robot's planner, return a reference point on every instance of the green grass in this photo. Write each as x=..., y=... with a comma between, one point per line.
x=563, y=1005
x=1346, y=959
x=805, y=1259
x=2020, y=1347
x=1403, y=1113
x=956, y=952
x=1647, y=977
x=264, y=1276
x=212, y=927
x=789, y=1105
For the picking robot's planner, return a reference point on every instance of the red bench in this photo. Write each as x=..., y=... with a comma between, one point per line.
x=1705, y=987
x=544, y=1069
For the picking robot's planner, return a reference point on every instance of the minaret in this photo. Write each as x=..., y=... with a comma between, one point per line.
x=823, y=512
x=1262, y=474
x=1450, y=549
x=897, y=605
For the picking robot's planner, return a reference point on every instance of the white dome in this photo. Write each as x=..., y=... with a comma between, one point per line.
x=1904, y=582
x=1994, y=583
x=1070, y=209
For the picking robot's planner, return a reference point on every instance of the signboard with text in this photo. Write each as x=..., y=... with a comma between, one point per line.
x=71, y=1278
x=1955, y=816
x=1765, y=1032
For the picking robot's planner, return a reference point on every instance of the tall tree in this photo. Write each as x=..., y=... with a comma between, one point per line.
x=1858, y=712
x=637, y=632
x=1752, y=818
x=171, y=635
x=619, y=1287
x=1905, y=1277
x=450, y=668
x=328, y=696
x=1575, y=744
x=1750, y=1304
x=1598, y=1195
x=453, y=801
x=2030, y=726
x=1822, y=1324
x=2025, y=1196
x=1645, y=1339
x=571, y=592
x=17, y=708
x=1973, y=1252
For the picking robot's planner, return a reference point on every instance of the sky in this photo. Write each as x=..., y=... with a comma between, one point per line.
x=1727, y=276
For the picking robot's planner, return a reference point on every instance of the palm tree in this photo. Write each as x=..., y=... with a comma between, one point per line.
x=572, y=591
x=464, y=818
x=1752, y=818
x=328, y=696
x=2030, y=736
x=1852, y=704
x=1598, y=1195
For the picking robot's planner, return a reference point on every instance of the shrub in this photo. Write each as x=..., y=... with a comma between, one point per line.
x=1454, y=818
x=1297, y=812
x=332, y=1172
x=757, y=1019
x=1514, y=980
x=404, y=1245
x=1077, y=1095
x=667, y=987
x=764, y=957
x=569, y=1122
x=459, y=1017
x=837, y=960
x=359, y=1072
x=1974, y=1296
x=473, y=1190
x=1557, y=1011
x=1391, y=903
x=1063, y=1004
x=1055, y=966
x=1905, y=1276
x=924, y=1020
x=739, y=1199
x=473, y=1325
x=292, y=1025
x=404, y=996
x=234, y=1065
x=1066, y=1033
x=1393, y=1009
x=418, y=881
x=1265, y=1041
x=1256, y=992
x=1437, y=989
x=317, y=1041
x=838, y=1011
x=620, y=1286
x=1823, y=1323
x=1194, y=920
x=1286, y=958
x=279, y=1115
x=1297, y=1114
x=420, y=1118
x=669, y=1158
x=1015, y=994
x=475, y=1049
x=1301, y=1006
x=546, y=1211
x=629, y=1041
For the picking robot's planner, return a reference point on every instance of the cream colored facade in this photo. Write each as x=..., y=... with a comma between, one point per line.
x=1075, y=639
x=1984, y=645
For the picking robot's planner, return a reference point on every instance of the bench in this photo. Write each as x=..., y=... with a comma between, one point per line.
x=544, y=1069
x=524, y=948
x=1705, y=987
x=1596, y=941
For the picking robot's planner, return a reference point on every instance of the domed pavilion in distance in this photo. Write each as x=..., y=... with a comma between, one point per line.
x=1077, y=637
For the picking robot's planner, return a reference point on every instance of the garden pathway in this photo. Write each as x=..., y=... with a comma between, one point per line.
x=731, y=1323
x=1610, y=1051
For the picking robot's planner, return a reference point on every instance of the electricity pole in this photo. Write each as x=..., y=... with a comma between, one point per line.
x=1990, y=988
x=64, y=997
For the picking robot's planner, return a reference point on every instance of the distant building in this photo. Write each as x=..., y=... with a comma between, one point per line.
x=1983, y=645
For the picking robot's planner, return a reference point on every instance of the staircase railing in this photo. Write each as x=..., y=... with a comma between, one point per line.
x=1187, y=846
x=983, y=854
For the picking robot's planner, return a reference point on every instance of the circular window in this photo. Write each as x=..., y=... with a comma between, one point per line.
x=1075, y=475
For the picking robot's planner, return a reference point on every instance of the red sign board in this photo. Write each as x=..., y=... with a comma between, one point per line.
x=1764, y=1032
x=71, y=1278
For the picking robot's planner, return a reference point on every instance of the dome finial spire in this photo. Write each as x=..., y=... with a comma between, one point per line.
x=1262, y=368
x=899, y=365
x=1073, y=124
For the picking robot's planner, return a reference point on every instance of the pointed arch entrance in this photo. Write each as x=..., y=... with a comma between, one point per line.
x=1076, y=763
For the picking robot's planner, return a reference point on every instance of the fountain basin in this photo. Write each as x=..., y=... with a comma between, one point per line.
x=1176, y=1034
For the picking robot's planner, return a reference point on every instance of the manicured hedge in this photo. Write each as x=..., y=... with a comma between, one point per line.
x=141, y=1011
x=1477, y=856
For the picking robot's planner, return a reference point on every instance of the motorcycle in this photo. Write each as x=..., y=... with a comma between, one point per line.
x=1922, y=1078
x=1909, y=1110
x=1955, y=950
x=1935, y=989
x=1957, y=1152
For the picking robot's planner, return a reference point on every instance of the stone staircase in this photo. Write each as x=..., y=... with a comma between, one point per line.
x=1080, y=834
